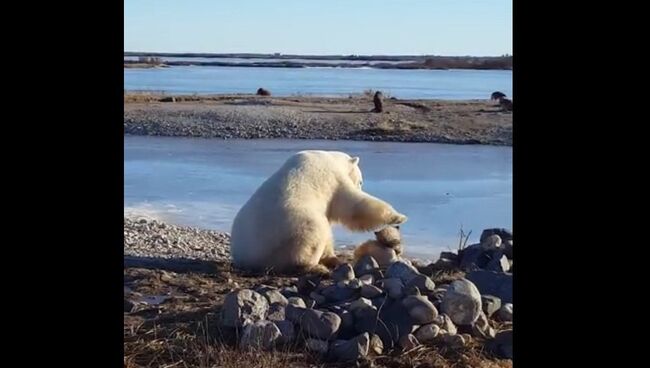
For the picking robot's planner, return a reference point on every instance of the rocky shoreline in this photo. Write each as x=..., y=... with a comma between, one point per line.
x=257, y=117
x=454, y=312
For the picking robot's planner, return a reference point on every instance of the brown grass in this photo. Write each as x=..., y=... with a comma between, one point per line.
x=169, y=346
x=184, y=331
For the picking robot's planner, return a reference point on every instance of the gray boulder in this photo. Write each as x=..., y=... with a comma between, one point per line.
x=462, y=302
x=504, y=234
x=259, y=335
x=493, y=283
x=243, y=305
x=350, y=350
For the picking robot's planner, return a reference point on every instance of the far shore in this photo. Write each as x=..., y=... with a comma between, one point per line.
x=247, y=116
x=338, y=61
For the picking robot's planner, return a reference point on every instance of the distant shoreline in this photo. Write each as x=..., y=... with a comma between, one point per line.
x=367, y=61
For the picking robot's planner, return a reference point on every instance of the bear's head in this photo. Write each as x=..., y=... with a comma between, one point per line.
x=355, y=172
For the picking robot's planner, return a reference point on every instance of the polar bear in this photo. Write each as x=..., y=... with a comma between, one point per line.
x=286, y=226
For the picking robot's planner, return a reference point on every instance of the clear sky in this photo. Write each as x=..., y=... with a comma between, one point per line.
x=437, y=27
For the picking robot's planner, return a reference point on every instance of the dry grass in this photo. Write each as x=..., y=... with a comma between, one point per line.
x=160, y=346
x=184, y=331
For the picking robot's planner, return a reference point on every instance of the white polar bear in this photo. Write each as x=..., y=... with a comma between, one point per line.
x=286, y=226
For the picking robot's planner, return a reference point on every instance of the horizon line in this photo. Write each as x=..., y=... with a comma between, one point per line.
x=294, y=54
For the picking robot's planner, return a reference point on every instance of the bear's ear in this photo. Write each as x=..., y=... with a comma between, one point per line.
x=354, y=160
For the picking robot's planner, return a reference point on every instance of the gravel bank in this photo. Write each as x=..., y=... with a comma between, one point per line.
x=251, y=117
x=154, y=239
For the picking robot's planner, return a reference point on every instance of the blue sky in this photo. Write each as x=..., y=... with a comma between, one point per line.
x=438, y=27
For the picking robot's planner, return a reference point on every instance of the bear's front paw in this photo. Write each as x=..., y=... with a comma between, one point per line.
x=398, y=219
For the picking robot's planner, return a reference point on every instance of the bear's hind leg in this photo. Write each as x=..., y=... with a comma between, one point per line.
x=329, y=258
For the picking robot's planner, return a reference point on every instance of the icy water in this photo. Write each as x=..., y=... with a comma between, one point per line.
x=440, y=187
x=415, y=84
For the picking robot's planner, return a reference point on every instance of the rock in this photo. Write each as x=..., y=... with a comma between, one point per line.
x=337, y=293
x=129, y=306
x=427, y=333
x=259, y=335
x=411, y=290
x=467, y=338
x=343, y=283
x=408, y=342
x=490, y=304
x=319, y=299
x=481, y=327
x=355, y=284
x=347, y=327
x=402, y=271
x=505, y=312
x=297, y=301
x=360, y=304
x=379, y=301
x=317, y=346
x=445, y=323
x=450, y=256
x=420, y=309
x=376, y=346
x=370, y=291
x=294, y=313
x=493, y=283
x=454, y=341
x=442, y=264
x=501, y=346
x=366, y=321
x=343, y=272
x=396, y=322
x=272, y=295
x=365, y=265
x=367, y=279
x=422, y=282
x=289, y=291
x=318, y=324
x=439, y=293
x=507, y=249
x=308, y=283
x=499, y=263
x=287, y=332
x=462, y=302
x=263, y=92
x=350, y=350
x=491, y=242
x=504, y=234
x=276, y=312
x=241, y=305
x=393, y=287
x=474, y=257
